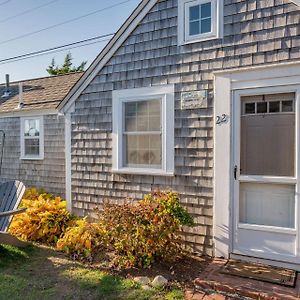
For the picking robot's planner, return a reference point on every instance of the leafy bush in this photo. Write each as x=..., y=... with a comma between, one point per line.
x=138, y=233
x=45, y=219
x=146, y=231
x=83, y=238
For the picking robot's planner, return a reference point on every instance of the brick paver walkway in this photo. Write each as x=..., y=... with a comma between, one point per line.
x=212, y=285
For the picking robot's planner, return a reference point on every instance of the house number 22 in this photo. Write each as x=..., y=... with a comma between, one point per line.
x=222, y=119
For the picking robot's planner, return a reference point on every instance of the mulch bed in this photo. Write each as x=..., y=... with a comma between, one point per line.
x=183, y=271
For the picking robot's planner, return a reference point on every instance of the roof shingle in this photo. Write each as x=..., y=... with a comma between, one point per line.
x=40, y=93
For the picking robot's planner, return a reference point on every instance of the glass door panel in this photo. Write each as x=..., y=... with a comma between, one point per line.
x=267, y=204
x=268, y=135
x=267, y=150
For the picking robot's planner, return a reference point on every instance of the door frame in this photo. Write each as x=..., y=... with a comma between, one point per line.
x=270, y=77
x=235, y=131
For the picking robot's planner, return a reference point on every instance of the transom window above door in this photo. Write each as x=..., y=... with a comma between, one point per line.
x=268, y=104
x=143, y=130
x=199, y=20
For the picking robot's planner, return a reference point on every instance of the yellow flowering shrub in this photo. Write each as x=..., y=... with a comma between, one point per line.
x=45, y=219
x=83, y=238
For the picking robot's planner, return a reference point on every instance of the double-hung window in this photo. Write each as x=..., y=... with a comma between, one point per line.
x=32, y=138
x=143, y=130
x=199, y=20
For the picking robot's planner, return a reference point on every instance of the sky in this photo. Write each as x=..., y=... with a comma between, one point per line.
x=105, y=22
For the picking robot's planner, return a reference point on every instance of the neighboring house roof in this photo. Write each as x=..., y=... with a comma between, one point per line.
x=40, y=93
x=106, y=54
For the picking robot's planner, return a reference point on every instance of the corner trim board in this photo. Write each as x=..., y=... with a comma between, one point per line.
x=68, y=156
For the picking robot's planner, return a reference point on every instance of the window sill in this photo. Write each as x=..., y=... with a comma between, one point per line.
x=199, y=39
x=31, y=158
x=131, y=171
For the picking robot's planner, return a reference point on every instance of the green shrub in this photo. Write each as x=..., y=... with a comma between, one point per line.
x=146, y=231
x=45, y=219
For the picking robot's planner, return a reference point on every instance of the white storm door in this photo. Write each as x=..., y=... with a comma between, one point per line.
x=265, y=184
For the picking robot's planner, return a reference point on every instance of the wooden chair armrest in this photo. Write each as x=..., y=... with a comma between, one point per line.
x=12, y=212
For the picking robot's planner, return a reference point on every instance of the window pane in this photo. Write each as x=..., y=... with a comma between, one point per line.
x=267, y=204
x=206, y=10
x=268, y=144
x=32, y=147
x=154, y=123
x=274, y=106
x=262, y=107
x=142, y=150
x=142, y=116
x=154, y=108
x=32, y=127
x=130, y=109
x=206, y=25
x=142, y=123
x=249, y=108
x=194, y=28
x=287, y=106
x=130, y=124
x=194, y=13
x=131, y=149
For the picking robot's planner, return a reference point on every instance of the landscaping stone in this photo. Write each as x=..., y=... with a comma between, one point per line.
x=159, y=281
x=146, y=287
x=143, y=280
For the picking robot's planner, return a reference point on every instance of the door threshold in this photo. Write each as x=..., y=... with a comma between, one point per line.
x=276, y=263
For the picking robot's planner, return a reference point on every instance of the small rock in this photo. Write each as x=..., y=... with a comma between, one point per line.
x=143, y=280
x=159, y=281
x=146, y=287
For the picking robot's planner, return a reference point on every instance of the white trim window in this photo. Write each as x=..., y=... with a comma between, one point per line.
x=143, y=130
x=199, y=20
x=32, y=138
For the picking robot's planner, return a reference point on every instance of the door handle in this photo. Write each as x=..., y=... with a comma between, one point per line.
x=235, y=172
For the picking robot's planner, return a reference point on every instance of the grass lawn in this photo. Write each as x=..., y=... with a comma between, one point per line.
x=42, y=273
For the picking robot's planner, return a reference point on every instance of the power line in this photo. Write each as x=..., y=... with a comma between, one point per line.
x=53, y=51
x=27, y=11
x=4, y=2
x=55, y=48
x=63, y=23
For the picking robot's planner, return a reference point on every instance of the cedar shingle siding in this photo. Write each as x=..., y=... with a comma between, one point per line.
x=255, y=32
x=49, y=173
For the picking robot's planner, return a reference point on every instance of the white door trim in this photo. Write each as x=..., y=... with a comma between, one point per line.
x=224, y=84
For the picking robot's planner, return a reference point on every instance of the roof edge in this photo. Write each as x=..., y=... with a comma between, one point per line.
x=105, y=55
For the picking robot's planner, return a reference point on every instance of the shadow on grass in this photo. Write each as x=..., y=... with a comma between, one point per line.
x=11, y=255
x=42, y=273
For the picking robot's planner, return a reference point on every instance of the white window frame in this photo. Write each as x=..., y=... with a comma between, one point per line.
x=41, y=138
x=166, y=94
x=217, y=21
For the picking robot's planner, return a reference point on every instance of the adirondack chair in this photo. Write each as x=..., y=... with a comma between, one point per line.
x=11, y=194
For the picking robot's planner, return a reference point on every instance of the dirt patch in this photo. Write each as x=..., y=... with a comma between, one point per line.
x=182, y=272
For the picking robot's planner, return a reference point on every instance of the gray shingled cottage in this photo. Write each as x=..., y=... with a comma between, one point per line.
x=202, y=97
x=34, y=145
